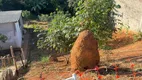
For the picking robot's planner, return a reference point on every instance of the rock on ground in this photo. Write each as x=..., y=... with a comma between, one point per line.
x=84, y=54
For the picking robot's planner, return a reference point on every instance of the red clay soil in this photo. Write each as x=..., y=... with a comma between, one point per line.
x=50, y=71
x=51, y=76
x=58, y=70
x=121, y=39
x=84, y=54
x=124, y=46
x=130, y=51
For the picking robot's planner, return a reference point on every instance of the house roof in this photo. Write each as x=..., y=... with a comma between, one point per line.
x=10, y=16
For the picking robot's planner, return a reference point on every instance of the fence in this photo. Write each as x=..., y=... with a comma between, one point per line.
x=6, y=60
x=11, y=59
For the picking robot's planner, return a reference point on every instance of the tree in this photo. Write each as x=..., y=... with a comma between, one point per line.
x=73, y=4
x=45, y=6
x=11, y=4
x=0, y=3
x=94, y=15
x=35, y=5
x=97, y=16
x=54, y=38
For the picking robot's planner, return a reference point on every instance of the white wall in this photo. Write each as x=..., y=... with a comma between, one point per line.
x=18, y=35
x=6, y=27
x=131, y=13
x=14, y=34
x=8, y=30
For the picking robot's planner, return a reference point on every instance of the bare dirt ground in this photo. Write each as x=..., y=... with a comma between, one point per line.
x=124, y=53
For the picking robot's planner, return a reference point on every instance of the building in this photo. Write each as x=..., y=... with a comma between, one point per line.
x=11, y=25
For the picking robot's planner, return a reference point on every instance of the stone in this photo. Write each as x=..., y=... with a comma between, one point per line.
x=84, y=53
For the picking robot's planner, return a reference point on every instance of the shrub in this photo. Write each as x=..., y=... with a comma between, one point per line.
x=44, y=17
x=26, y=15
x=94, y=15
x=137, y=36
x=44, y=59
x=57, y=32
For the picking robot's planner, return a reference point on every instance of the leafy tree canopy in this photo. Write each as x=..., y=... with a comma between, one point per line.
x=94, y=15
x=35, y=6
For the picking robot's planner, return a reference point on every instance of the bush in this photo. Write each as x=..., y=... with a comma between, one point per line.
x=137, y=37
x=57, y=32
x=26, y=15
x=44, y=17
x=44, y=59
x=94, y=15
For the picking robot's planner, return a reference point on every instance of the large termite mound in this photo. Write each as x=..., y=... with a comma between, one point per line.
x=84, y=54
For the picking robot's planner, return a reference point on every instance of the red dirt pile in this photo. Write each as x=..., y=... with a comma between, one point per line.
x=84, y=54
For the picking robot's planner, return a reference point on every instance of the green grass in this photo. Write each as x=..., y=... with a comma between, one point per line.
x=45, y=59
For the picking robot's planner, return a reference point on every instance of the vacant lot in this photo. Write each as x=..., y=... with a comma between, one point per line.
x=124, y=53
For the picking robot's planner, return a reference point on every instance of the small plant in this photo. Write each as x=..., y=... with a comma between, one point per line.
x=137, y=37
x=45, y=59
x=26, y=15
x=3, y=38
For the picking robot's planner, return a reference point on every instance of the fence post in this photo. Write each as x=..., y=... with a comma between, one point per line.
x=1, y=61
x=4, y=61
x=14, y=60
x=8, y=59
x=23, y=55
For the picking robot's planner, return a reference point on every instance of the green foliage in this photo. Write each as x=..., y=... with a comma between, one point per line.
x=0, y=3
x=97, y=16
x=3, y=38
x=137, y=36
x=60, y=4
x=36, y=5
x=94, y=15
x=73, y=4
x=45, y=59
x=11, y=4
x=26, y=14
x=55, y=33
x=45, y=6
x=45, y=17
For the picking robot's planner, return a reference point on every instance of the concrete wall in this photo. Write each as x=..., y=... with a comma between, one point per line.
x=13, y=33
x=21, y=23
x=8, y=30
x=6, y=27
x=18, y=35
x=131, y=13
